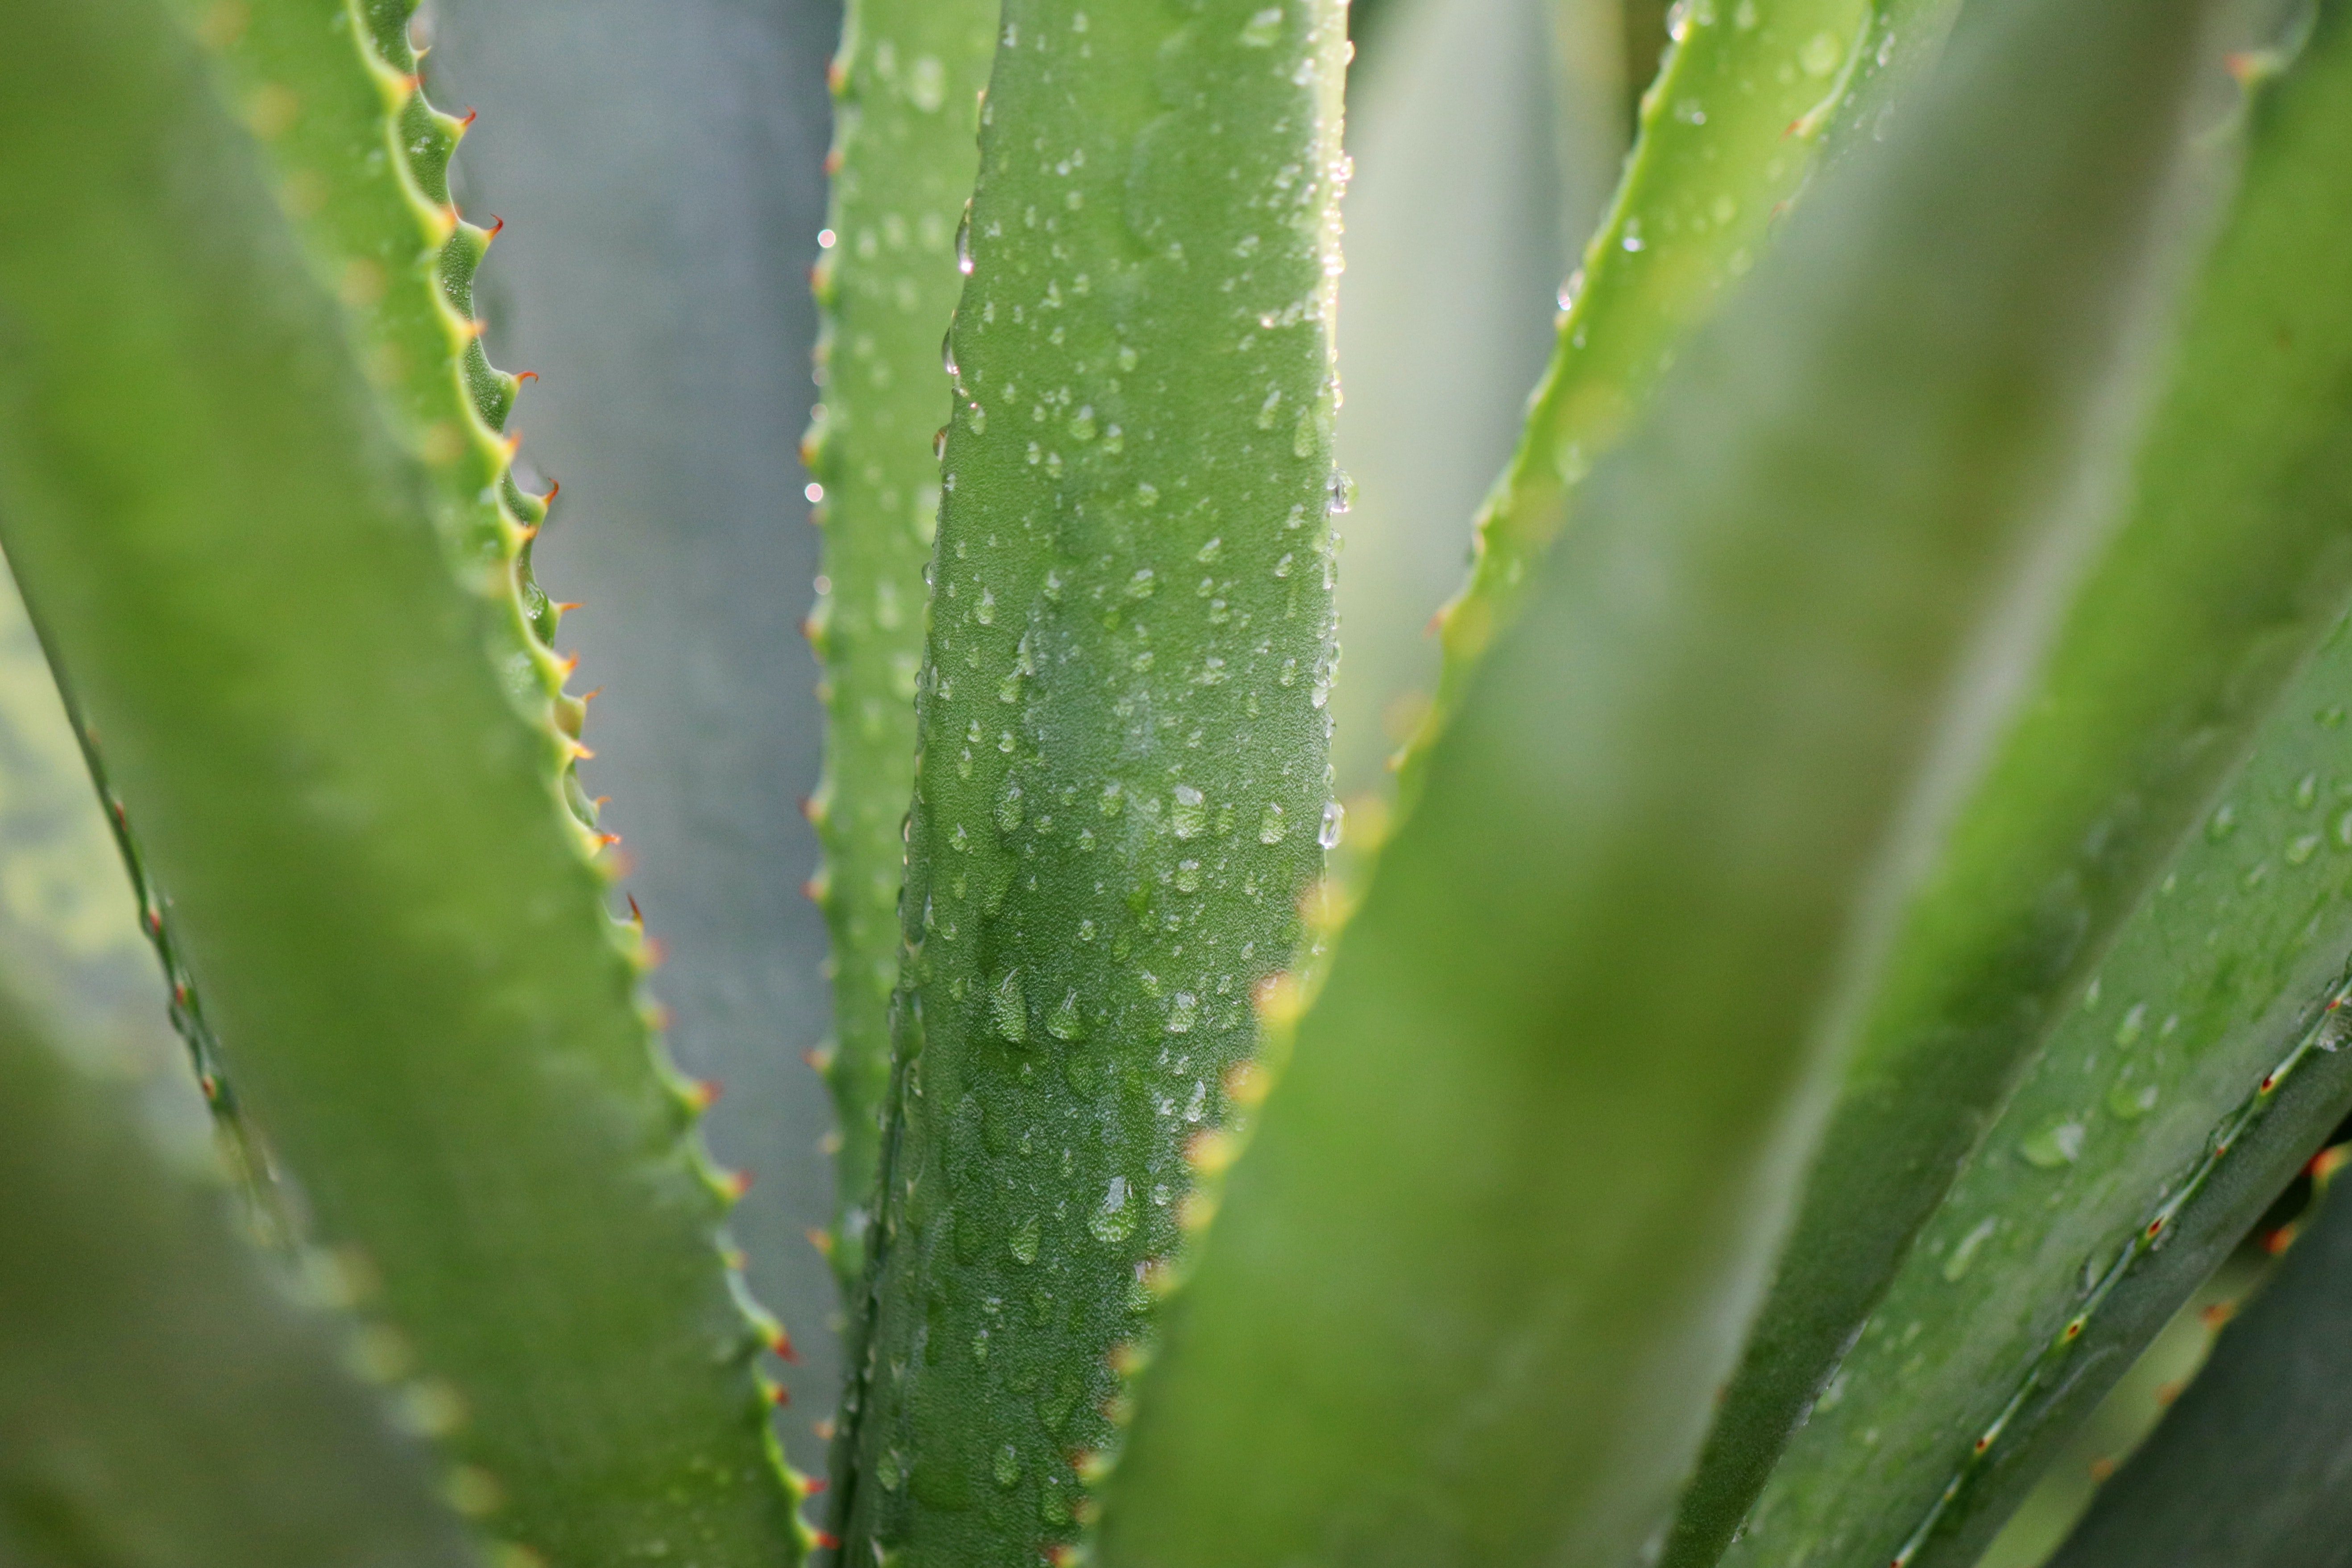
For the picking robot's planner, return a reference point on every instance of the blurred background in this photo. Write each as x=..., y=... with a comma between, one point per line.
x=659, y=169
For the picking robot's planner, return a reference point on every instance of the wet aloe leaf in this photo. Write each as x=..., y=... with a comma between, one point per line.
x=1476, y=1279
x=2233, y=559
x=1752, y=95
x=2248, y=1466
x=164, y=1401
x=1123, y=785
x=354, y=818
x=907, y=81
x=2199, y=1072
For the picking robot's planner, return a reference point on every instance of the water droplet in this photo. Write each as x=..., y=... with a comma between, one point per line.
x=2131, y=1101
x=1114, y=1221
x=1270, y=827
x=947, y=356
x=1188, y=876
x=1340, y=495
x=1008, y=806
x=1008, y=1008
x=891, y=1470
x=926, y=84
x=1024, y=1245
x=1965, y=1253
x=1821, y=53
x=940, y=444
x=1008, y=1467
x=2221, y=824
x=1262, y=30
x=2053, y=1146
x=963, y=240
x=1182, y=1013
x=1191, y=813
x=2301, y=850
x=1065, y=1024
x=985, y=612
x=2134, y=1022
x=1335, y=823
x=2306, y=791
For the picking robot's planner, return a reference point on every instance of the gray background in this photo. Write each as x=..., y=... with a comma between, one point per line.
x=659, y=169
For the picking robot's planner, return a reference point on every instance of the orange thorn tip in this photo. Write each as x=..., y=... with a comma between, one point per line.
x=826, y=1539
x=704, y=1092
x=567, y=606
x=472, y=114
x=817, y=1060
x=635, y=913
x=778, y=1395
x=813, y=1485
x=588, y=697
x=735, y=1184
x=606, y=840
x=823, y=1429
x=569, y=663
x=523, y=375
x=554, y=487
x=820, y=1239
x=780, y=1344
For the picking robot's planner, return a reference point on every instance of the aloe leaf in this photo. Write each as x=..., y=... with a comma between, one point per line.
x=1122, y=782
x=2248, y=1464
x=2230, y=562
x=1752, y=95
x=165, y=1401
x=906, y=81
x=355, y=819
x=67, y=914
x=1478, y=1275
x=2161, y=1119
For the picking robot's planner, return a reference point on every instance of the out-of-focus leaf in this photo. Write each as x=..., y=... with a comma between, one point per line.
x=165, y=1401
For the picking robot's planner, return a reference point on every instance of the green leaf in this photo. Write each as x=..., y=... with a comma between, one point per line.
x=907, y=81
x=2233, y=557
x=1122, y=782
x=354, y=818
x=1477, y=1277
x=2247, y=1464
x=1752, y=95
x=165, y=1401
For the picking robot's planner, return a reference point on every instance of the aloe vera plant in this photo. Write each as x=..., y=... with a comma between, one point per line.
x=1863, y=942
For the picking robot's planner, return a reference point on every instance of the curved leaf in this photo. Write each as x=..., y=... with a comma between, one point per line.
x=354, y=818
x=163, y=1402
